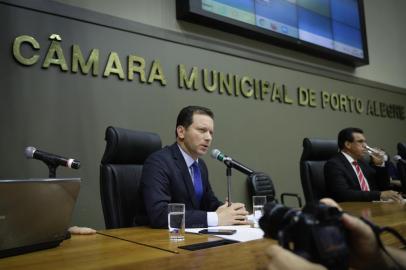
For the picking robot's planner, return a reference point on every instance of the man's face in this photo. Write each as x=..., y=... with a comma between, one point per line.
x=356, y=149
x=196, y=139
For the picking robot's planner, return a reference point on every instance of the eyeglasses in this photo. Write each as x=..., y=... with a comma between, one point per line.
x=360, y=141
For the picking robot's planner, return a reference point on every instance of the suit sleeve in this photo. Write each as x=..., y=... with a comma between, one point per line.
x=158, y=186
x=156, y=192
x=382, y=179
x=339, y=188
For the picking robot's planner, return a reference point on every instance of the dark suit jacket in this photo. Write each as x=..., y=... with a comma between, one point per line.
x=166, y=179
x=342, y=182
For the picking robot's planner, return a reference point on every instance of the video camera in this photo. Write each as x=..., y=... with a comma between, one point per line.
x=315, y=233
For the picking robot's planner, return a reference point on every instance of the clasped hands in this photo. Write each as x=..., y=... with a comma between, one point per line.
x=235, y=214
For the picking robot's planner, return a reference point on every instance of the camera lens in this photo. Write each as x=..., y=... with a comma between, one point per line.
x=276, y=216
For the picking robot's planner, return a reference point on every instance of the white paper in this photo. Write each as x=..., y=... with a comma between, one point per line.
x=244, y=232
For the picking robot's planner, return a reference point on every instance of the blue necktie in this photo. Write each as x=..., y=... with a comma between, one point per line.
x=197, y=181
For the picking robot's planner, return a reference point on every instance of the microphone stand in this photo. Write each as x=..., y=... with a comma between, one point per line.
x=52, y=170
x=228, y=173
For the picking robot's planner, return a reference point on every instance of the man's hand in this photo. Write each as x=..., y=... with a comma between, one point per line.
x=365, y=252
x=391, y=195
x=378, y=159
x=283, y=259
x=81, y=230
x=235, y=214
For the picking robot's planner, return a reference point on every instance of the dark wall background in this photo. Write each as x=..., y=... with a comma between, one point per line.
x=67, y=113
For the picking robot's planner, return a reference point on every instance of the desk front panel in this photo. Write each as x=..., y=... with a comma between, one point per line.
x=85, y=252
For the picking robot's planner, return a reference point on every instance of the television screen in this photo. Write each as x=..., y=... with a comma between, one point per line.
x=334, y=29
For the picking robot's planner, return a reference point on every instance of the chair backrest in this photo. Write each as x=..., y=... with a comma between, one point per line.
x=260, y=184
x=120, y=175
x=402, y=150
x=401, y=166
x=315, y=154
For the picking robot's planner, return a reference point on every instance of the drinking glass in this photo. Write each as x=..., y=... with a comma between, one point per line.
x=258, y=203
x=176, y=221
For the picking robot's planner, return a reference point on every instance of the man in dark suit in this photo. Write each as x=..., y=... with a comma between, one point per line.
x=350, y=178
x=169, y=176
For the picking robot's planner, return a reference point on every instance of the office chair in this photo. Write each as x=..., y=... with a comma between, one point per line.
x=260, y=184
x=120, y=175
x=401, y=166
x=315, y=154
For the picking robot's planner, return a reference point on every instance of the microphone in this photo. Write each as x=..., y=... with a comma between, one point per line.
x=398, y=158
x=51, y=159
x=216, y=154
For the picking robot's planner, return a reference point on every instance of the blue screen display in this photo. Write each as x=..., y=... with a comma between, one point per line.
x=247, y=5
x=333, y=24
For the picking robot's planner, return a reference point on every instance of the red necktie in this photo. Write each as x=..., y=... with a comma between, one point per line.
x=361, y=177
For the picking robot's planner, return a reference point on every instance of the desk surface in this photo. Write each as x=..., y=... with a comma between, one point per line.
x=248, y=255
x=382, y=213
x=158, y=238
x=84, y=252
x=145, y=248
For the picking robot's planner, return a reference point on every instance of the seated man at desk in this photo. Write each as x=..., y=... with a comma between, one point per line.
x=350, y=178
x=177, y=174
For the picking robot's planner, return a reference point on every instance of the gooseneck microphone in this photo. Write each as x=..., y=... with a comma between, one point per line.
x=51, y=159
x=216, y=154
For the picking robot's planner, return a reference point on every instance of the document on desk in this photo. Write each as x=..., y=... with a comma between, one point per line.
x=244, y=232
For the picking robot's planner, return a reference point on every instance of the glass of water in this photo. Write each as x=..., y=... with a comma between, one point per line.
x=176, y=221
x=258, y=203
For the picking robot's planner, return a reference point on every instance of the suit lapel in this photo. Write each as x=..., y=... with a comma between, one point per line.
x=184, y=171
x=350, y=170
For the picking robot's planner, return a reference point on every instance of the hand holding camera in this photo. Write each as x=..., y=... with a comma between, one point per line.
x=324, y=236
x=314, y=233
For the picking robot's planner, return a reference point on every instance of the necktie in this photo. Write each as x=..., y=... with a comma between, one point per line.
x=197, y=181
x=361, y=178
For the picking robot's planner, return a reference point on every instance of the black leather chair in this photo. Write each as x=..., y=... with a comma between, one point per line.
x=260, y=184
x=401, y=166
x=315, y=154
x=120, y=175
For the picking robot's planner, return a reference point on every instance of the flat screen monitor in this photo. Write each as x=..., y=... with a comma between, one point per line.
x=332, y=29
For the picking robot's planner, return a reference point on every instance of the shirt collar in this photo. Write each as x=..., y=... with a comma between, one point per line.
x=348, y=157
x=188, y=159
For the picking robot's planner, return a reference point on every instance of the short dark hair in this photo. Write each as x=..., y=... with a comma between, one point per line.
x=347, y=135
x=185, y=116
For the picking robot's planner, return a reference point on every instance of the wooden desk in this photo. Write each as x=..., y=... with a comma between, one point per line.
x=248, y=255
x=84, y=252
x=158, y=238
x=136, y=252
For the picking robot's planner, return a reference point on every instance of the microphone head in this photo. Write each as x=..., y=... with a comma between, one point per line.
x=74, y=164
x=29, y=151
x=397, y=158
x=216, y=154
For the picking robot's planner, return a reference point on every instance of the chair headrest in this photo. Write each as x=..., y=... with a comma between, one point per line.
x=318, y=149
x=124, y=146
x=402, y=150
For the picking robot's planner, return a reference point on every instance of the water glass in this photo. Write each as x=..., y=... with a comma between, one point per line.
x=258, y=203
x=176, y=221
